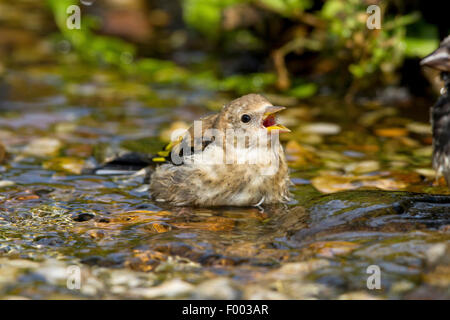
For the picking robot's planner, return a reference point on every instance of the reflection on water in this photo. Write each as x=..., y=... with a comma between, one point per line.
x=319, y=246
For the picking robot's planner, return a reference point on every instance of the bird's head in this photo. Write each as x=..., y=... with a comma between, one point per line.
x=440, y=58
x=249, y=115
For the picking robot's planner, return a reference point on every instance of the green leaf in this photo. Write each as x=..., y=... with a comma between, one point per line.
x=304, y=90
x=419, y=47
x=205, y=15
x=287, y=7
x=248, y=83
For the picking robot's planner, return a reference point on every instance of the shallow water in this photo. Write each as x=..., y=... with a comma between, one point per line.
x=54, y=122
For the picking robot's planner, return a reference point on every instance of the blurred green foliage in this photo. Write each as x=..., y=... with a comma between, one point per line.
x=334, y=31
x=89, y=45
x=106, y=50
x=205, y=15
x=362, y=56
x=288, y=8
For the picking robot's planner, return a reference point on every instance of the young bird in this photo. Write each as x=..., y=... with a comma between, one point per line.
x=234, y=159
x=440, y=112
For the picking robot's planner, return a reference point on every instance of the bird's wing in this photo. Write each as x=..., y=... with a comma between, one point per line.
x=197, y=144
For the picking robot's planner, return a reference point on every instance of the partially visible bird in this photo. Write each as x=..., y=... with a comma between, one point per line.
x=235, y=159
x=440, y=112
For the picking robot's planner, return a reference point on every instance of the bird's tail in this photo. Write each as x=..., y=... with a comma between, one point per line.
x=132, y=162
x=127, y=163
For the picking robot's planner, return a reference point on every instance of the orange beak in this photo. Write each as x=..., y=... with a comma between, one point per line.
x=269, y=119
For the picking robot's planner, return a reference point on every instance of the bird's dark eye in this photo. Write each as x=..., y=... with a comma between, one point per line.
x=246, y=118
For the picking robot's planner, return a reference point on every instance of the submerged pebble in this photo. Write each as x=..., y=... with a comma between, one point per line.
x=42, y=147
x=81, y=217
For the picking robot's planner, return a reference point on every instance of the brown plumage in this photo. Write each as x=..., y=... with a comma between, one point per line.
x=239, y=161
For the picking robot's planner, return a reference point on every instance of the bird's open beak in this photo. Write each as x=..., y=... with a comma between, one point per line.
x=439, y=59
x=269, y=119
